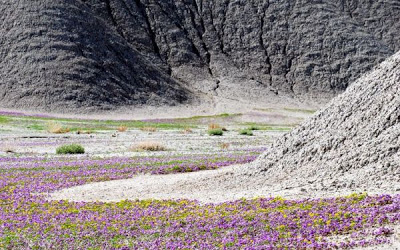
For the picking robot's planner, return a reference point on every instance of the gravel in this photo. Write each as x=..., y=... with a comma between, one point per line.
x=353, y=143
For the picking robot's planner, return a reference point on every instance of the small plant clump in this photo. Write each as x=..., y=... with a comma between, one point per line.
x=217, y=132
x=4, y=119
x=149, y=146
x=36, y=126
x=246, y=132
x=56, y=128
x=84, y=132
x=253, y=127
x=212, y=126
x=187, y=131
x=224, y=145
x=70, y=149
x=122, y=128
x=149, y=129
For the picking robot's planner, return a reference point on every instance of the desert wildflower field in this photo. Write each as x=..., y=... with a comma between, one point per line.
x=30, y=169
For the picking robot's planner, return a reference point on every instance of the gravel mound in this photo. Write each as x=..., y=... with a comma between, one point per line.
x=353, y=143
x=350, y=146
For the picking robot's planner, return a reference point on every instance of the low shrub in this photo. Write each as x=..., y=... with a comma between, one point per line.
x=56, y=128
x=253, y=127
x=217, y=132
x=246, y=132
x=70, y=149
x=4, y=119
x=149, y=146
x=149, y=129
x=122, y=128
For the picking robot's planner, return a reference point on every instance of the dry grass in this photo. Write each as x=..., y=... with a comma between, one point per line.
x=148, y=146
x=212, y=126
x=224, y=145
x=122, y=128
x=149, y=129
x=56, y=128
x=187, y=131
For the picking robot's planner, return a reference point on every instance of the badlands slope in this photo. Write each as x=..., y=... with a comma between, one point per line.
x=95, y=55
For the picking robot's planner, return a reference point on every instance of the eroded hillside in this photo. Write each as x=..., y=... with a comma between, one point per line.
x=109, y=53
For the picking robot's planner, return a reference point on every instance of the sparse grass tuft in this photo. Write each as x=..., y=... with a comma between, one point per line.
x=70, y=149
x=224, y=145
x=246, y=132
x=212, y=126
x=217, y=132
x=36, y=126
x=187, y=131
x=149, y=129
x=122, y=128
x=4, y=119
x=56, y=128
x=253, y=127
x=149, y=146
x=307, y=111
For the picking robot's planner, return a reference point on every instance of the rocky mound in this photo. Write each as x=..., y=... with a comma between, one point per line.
x=353, y=143
x=108, y=53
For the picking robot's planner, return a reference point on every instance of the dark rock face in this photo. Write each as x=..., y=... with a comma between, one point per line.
x=108, y=53
x=58, y=54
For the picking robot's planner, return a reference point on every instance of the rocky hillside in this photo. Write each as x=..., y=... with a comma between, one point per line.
x=107, y=53
x=58, y=54
x=353, y=143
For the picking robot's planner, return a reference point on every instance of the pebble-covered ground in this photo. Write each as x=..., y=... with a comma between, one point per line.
x=30, y=169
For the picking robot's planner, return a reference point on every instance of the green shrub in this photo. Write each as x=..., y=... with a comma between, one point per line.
x=70, y=149
x=217, y=131
x=4, y=119
x=253, y=127
x=246, y=132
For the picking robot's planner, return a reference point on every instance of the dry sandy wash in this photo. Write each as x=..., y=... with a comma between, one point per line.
x=209, y=186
